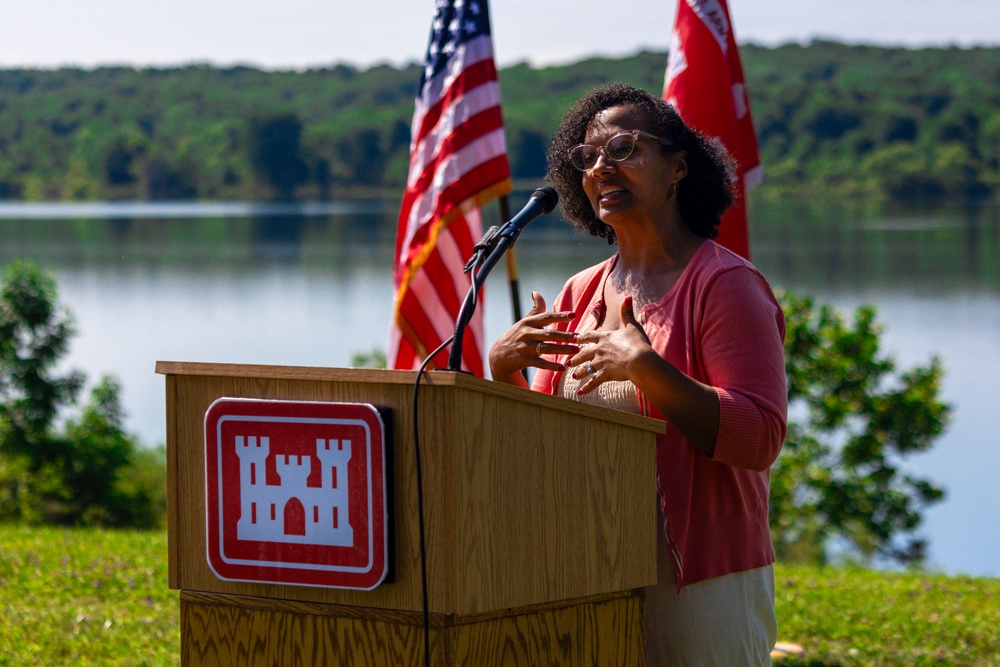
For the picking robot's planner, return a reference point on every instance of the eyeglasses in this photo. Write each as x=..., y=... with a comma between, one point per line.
x=618, y=148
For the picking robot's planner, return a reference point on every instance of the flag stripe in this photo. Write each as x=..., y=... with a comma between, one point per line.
x=458, y=162
x=439, y=290
x=477, y=142
x=475, y=56
x=473, y=188
x=432, y=322
x=472, y=115
x=475, y=103
x=429, y=196
x=474, y=90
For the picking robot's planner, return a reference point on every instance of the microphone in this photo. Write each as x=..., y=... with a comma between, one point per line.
x=541, y=202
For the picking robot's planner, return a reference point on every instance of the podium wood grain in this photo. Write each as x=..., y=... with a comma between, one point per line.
x=540, y=522
x=227, y=630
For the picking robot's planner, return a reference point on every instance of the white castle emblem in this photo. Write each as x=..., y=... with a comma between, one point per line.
x=273, y=513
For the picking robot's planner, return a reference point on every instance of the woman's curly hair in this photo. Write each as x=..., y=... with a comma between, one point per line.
x=704, y=194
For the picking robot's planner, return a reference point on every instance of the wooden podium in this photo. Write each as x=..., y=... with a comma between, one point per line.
x=540, y=529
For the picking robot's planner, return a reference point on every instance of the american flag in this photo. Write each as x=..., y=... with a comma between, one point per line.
x=458, y=162
x=705, y=82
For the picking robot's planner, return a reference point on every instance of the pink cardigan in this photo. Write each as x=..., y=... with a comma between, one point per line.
x=721, y=325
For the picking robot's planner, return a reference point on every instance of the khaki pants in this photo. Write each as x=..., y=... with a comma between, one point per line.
x=727, y=621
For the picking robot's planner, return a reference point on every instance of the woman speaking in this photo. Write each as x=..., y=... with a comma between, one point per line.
x=676, y=327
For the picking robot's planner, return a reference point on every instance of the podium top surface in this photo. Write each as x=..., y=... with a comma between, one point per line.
x=435, y=378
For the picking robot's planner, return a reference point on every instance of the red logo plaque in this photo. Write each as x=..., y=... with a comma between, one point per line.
x=296, y=493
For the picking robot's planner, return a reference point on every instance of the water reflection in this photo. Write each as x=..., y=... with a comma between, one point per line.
x=277, y=238
x=795, y=245
x=944, y=250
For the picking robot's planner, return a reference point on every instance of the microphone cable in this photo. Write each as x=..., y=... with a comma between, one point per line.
x=420, y=479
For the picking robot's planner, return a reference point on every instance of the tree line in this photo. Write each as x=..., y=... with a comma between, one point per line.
x=899, y=124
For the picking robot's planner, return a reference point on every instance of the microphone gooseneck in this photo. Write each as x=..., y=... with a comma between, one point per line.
x=495, y=242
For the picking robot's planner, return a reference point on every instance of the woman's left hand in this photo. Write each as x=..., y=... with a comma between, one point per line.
x=607, y=355
x=625, y=353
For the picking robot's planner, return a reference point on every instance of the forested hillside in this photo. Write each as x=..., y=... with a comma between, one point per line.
x=893, y=123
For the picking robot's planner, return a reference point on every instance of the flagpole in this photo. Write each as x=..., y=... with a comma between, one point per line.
x=515, y=293
x=511, y=258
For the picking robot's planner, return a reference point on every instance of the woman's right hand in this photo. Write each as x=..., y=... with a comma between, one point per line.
x=528, y=342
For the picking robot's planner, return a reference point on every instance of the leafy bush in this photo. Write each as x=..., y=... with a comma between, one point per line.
x=852, y=419
x=89, y=471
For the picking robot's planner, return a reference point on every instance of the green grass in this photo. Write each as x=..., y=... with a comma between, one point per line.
x=862, y=617
x=95, y=597
x=86, y=598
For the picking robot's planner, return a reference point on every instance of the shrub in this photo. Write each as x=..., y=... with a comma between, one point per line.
x=853, y=417
x=89, y=471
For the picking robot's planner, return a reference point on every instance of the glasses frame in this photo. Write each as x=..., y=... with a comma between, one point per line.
x=600, y=149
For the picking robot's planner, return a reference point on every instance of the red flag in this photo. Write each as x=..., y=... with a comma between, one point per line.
x=458, y=162
x=704, y=81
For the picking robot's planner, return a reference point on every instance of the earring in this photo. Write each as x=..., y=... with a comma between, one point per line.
x=672, y=192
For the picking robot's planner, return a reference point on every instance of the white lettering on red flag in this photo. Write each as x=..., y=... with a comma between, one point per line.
x=714, y=17
x=458, y=162
x=704, y=81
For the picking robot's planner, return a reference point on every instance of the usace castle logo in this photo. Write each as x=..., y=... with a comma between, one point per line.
x=296, y=492
x=264, y=507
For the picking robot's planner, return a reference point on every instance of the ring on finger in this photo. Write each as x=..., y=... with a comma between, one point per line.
x=538, y=348
x=590, y=368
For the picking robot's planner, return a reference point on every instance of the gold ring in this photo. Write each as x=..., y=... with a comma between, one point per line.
x=538, y=348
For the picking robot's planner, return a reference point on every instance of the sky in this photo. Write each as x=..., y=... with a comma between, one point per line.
x=297, y=34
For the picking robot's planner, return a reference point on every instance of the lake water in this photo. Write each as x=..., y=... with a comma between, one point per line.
x=311, y=285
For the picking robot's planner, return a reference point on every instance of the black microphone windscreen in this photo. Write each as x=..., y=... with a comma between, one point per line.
x=548, y=198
